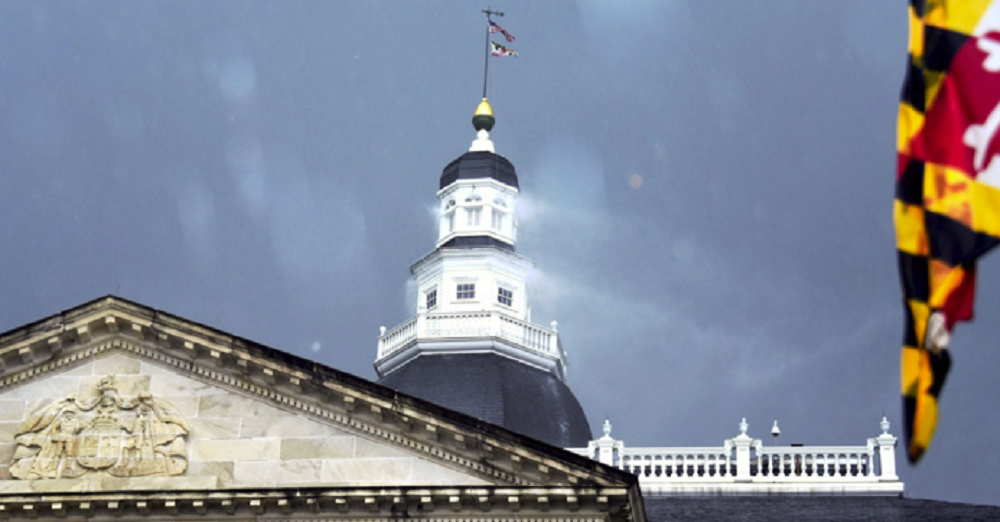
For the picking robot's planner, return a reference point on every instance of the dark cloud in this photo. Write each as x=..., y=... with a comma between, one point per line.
x=267, y=168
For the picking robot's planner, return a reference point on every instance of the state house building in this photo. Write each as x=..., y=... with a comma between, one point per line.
x=113, y=410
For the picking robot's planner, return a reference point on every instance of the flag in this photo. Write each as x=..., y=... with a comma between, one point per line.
x=947, y=203
x=499, y=50
x=497, y=28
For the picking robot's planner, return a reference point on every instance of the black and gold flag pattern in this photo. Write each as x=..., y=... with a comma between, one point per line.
x=947, y=205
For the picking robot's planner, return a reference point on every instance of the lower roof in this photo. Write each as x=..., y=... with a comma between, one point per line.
x=817, y=509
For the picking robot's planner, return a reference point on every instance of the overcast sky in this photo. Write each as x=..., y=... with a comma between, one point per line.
x=269, y=168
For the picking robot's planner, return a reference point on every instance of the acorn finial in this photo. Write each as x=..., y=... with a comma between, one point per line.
x=483, y=118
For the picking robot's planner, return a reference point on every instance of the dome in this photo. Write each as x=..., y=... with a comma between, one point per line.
x=499, y=390
x=479, y=165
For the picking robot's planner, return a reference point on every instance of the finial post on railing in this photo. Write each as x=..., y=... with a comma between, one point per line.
x=607, y=446
x=886, y=453
x=742, y=442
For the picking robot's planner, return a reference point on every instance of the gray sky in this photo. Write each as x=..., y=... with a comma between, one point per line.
x=269, y=168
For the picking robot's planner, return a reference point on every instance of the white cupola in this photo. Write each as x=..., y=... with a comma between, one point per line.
x=475, y=282
x=470, y=344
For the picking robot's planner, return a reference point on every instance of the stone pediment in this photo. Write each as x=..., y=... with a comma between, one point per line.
x=115, y=396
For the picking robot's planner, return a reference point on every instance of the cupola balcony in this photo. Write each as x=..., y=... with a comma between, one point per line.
x=471, y=332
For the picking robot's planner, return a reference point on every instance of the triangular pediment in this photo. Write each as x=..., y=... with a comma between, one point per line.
x=113, y=395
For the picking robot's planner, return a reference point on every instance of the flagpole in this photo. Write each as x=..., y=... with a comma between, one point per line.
x=486, y=56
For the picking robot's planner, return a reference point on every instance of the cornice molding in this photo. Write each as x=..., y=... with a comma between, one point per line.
x=441, y=504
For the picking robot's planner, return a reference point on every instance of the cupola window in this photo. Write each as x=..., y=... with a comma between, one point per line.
x=473, y=198
x=449, y=217
x=505, y=296
x=432, y=299
x=497, y=220
x=466, y=291
x=474, y=214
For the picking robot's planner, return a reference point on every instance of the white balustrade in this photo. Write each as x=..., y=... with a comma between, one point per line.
x=470, y=324
x=397, y=338
x=868, y=469
x=816, y=463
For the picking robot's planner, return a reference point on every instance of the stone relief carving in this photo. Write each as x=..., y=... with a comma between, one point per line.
x=123, y=436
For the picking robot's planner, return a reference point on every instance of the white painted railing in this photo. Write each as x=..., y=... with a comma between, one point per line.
x=815, y=463
x=743, y=465
x=458, y=325
x=678, y=463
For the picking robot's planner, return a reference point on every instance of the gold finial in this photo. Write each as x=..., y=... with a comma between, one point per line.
x=484, y=108
x=483, y=118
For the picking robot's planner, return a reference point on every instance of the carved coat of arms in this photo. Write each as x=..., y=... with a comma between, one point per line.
x=123, y=436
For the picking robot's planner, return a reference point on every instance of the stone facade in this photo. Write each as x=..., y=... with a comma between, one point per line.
x=233, y=440
x=113, y=409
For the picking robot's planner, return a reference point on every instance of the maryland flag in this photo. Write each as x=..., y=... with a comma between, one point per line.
x=499, y=50
x=947, y=207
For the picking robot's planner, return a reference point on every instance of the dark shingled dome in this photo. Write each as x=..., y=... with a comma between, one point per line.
x=479, y=165
x=498, y=390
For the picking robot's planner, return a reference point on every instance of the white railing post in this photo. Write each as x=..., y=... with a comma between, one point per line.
x=381, y=341
x=554, y=339
x=421, y=326
x=742, y=443
x=886, y=453
x=606, y=446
